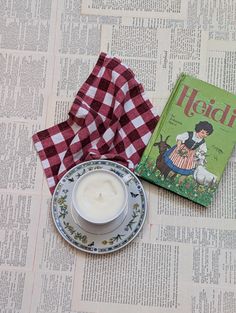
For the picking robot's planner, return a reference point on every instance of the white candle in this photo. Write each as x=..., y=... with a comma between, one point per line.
x=99, y=196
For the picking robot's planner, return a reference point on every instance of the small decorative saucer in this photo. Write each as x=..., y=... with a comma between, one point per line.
x=90, y=237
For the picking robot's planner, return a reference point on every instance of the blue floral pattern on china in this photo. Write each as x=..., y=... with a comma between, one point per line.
x=104, y=241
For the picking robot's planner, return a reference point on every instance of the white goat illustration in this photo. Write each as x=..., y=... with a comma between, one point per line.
x=201, y=174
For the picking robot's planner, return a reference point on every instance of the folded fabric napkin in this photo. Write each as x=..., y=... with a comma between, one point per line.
x=110, y=118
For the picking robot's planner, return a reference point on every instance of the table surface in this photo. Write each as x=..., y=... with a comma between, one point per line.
x=184, y=259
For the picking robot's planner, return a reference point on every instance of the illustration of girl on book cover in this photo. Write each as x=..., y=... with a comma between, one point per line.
x=183, y=157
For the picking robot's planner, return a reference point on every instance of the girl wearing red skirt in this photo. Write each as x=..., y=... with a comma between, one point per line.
x=181, y=157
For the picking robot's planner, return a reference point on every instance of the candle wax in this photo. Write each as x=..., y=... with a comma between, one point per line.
x=100, y=196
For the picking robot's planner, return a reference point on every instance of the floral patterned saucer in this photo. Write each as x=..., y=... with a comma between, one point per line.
x=92, y=238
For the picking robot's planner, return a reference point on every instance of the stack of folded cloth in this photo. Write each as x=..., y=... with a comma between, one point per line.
x=110, y=118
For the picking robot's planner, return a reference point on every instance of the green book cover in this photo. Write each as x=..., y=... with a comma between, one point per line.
x=192, y=141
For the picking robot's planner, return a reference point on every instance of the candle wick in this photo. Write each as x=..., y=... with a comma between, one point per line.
x=99, y=196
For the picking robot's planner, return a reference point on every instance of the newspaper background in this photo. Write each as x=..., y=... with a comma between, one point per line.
x=184, y=260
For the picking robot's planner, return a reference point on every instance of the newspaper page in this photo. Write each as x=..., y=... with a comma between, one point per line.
x=184, y=258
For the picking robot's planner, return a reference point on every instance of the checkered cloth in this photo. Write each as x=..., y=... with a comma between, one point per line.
x=110, y=118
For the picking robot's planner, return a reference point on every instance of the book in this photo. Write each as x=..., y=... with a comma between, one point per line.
x=193, y=140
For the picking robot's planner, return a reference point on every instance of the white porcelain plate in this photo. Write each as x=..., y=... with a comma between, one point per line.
x=92, y=238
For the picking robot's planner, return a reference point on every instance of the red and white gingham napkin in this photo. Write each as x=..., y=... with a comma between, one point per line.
x=110, y=118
